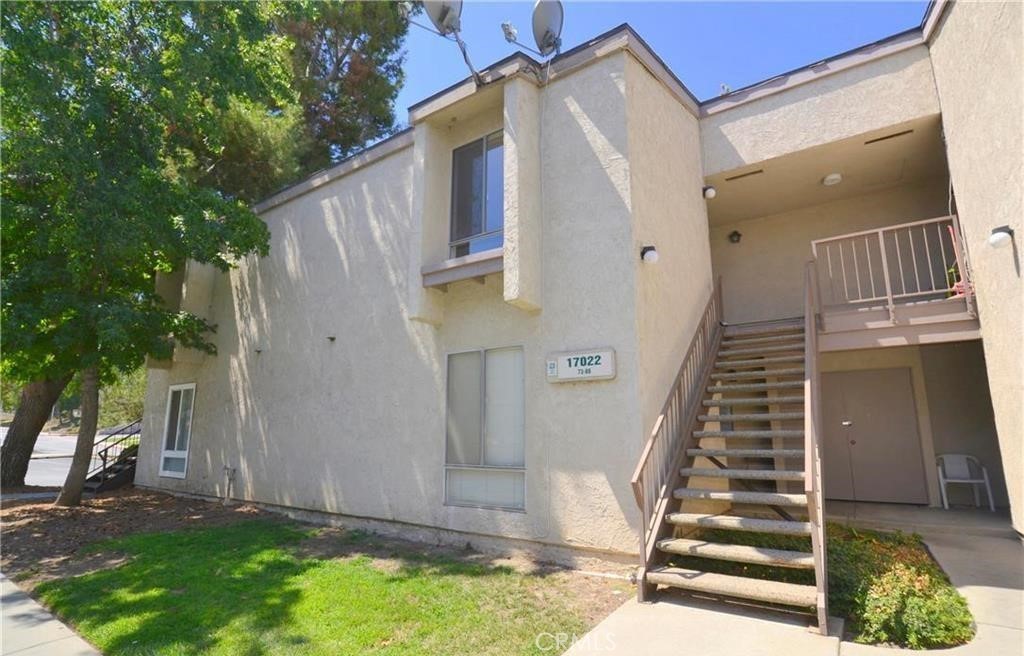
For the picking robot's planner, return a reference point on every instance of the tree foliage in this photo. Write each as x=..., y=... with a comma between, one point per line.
x=347, y=61
x=104, y=105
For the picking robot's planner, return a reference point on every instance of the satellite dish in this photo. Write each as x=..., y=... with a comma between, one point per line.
x=444, y=14
x=547, y=26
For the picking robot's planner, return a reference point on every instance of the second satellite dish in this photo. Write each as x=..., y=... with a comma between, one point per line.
x=444, y=14
x=547, y=25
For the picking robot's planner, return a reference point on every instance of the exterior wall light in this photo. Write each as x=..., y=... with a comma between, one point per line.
x=710, y=192
x=649, y=254
x=735, y=236
x=1000, y=237
x=832, y=179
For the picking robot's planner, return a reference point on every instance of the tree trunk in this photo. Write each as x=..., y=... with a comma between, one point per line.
x=37, y=400
x=71, y=493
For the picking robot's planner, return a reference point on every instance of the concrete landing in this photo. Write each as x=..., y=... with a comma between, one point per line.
x=27, y=629
x=689, y=625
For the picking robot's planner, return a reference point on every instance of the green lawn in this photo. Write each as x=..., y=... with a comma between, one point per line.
x=244, y=589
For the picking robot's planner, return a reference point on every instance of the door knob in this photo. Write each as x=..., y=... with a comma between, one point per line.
x=846, y=423
x=853, y=441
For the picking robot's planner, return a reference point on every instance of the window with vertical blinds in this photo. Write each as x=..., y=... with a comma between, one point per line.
x=485, y=452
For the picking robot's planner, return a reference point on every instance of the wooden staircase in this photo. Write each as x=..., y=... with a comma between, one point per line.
x=734, y=458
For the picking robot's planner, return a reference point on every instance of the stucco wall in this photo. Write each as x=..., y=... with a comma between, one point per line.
x=884, y=92
x=762, y=276
x=669, y=213
x=356, y=426
x=979, y=73
x=961, y=411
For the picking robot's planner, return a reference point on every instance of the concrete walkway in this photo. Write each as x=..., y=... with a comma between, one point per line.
x=27, y=629
x=987, y=569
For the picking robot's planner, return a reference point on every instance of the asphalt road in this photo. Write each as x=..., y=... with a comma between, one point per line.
x=49, y=471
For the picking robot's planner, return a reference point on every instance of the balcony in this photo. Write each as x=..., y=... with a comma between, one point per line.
x=898, y=285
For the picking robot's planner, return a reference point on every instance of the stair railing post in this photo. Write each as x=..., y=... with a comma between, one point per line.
x=813, y=486
x=889, y=302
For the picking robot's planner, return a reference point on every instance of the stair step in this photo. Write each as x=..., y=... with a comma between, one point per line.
x=733, y=523
x=790, y=594
x=756, y=416
x=760, y=400
x=739, y=375
x=758, y=362
x=738, y=553
x=748, y=434
x=796, y=324
x=755, y=387
x=745, y=474
x=770, y=339
x=759, y=350
x=738, y=496
x=746, y=453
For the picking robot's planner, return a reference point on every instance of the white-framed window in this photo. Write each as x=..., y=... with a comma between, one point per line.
x=478, y=187
x=177, y=430
x=485, y=459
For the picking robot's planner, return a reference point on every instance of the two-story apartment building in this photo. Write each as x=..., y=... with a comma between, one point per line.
x=574, y=310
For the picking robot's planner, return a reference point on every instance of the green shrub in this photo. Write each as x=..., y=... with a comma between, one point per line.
x=909, y=607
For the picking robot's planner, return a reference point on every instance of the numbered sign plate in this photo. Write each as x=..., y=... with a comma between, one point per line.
x=595, y=364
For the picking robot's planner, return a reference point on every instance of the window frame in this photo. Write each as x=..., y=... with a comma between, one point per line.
x=164, y=451
x=483, y=423
x=455, y=243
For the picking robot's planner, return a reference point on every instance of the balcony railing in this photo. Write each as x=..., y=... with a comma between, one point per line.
x=906, y=263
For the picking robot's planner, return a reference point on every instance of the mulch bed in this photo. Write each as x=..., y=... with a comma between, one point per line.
x=40, y=540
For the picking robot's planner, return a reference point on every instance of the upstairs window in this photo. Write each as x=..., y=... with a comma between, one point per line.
x=478, y=207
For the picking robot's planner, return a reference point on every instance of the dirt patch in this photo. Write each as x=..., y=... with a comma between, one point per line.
x=593, y=596
x=42, y=542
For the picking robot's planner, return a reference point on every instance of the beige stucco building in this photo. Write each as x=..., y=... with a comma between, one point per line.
x=456, y=336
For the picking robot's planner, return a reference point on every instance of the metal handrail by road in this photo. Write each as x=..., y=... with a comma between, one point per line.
x=111, y=447
x=813, y=487
x=895, y=264
x=657, y=472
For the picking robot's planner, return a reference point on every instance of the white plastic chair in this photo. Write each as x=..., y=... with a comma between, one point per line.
x=959, y=468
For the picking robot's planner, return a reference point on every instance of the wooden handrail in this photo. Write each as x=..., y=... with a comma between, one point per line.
x=657, y=471
x=813, y=486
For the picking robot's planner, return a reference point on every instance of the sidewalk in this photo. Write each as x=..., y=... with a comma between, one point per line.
x=27, y=629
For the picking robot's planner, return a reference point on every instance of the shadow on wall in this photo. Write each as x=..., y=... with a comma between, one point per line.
x=359, y=419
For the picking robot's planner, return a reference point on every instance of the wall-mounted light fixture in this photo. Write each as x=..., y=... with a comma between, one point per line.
x=832, y=179
x=649, y=254
x=735, y=236
x=1000, y=237
x=710, y=192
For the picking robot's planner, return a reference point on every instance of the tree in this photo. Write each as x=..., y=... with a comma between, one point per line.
x=132, y=136
x=347, y=61
x=107, y=108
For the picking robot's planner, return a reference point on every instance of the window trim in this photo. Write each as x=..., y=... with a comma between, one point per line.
x=164, y=451
x=483, y=422
x=452, y=242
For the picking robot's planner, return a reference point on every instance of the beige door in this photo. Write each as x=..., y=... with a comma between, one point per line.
x=872, y=448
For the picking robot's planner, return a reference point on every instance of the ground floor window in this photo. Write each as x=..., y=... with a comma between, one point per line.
x=485, y=453
x=177, y=430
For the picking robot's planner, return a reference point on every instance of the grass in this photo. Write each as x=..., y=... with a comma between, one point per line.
x=245, y=589
x=886, y=585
